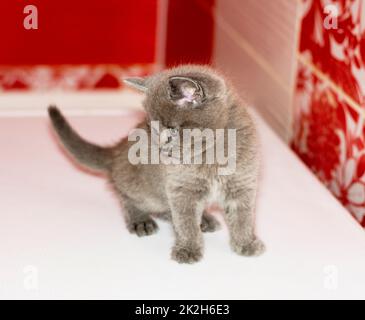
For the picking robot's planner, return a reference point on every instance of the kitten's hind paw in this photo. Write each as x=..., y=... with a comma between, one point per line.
x=254, y=248
x=143, y=228
x=209, y=223
x=186, y=255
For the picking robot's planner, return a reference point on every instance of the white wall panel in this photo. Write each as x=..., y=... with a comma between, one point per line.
x=256, y=45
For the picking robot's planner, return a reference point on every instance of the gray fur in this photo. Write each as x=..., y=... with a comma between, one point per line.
x=181, y=192
x=89, y=154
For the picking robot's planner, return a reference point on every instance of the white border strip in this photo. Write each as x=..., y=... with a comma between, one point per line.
x=108, y=102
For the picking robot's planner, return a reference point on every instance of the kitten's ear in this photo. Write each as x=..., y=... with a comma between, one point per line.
x=137, y=83
x=185, y=91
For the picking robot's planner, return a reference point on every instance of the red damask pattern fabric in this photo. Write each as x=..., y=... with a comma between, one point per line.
x=69, y=77
x=329, y=131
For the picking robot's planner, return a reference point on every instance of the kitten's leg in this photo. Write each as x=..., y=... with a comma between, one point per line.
x=186, y=212
x=239, y=214
x=209, y=223
x=165, y=216
x=139, y=222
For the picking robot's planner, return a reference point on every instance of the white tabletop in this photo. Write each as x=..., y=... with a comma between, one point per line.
x=62, y=234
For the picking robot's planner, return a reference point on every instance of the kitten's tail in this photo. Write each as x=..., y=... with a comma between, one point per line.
x=86, y=153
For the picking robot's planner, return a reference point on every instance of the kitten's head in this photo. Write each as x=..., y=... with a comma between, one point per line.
x=187, y=96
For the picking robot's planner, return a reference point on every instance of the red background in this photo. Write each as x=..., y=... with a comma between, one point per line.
x=190, y=31
x=105, y=32
x=79, y=32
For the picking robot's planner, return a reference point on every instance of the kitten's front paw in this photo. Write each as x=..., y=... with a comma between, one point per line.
x=143, y=228
x=186, y=255
x=254, y=248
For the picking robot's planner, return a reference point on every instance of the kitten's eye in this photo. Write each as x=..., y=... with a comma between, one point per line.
x=174, y=91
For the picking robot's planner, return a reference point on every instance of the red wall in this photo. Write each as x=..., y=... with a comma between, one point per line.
x=75, y=32
x=190, y=31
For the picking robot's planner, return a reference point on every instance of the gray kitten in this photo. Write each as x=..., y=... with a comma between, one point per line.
x=184, y=97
